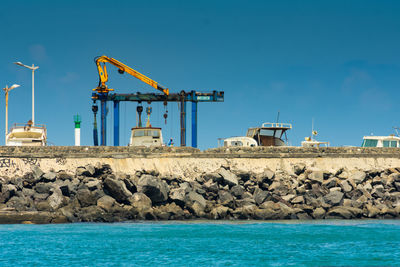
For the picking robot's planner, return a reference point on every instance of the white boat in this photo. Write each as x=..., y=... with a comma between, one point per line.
x=381, y=141
x=27, y=135
x=269, y=134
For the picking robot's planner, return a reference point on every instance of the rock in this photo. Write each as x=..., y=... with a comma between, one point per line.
x=211, y=186
x=18, y=203
x=62, y=175
x=7, y=192
x=169, y=212
x=94, y=185
x=318, y=213
x=245, y=212
x=225, y=198
x=237, y=191
x=219, y=212
x=303, y=216
x=333, y=198
x=245, y=202
x=345, y=186
x=213, y=176
x=67, y=188
x=266, y=214
x=343, y=213
x=193, y=197
x=43, y=188
x=299, y=168
x=49, y=177
x=178, y=195
x=289, y=197
x=157, y=190
x=297, y=200
x=358, y=177
x=86, y=198
x=316, y=176
x=37, y=172
x=141, y=202
x=228, y=177
x=106, y=203
x=117, y=189
x=55, y=200
x=260, y=196
x=330, y=183
x=92, y=214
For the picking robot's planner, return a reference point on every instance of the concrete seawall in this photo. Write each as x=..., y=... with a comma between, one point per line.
x=189, y=162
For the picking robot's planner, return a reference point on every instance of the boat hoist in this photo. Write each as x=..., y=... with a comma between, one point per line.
x=102, y=93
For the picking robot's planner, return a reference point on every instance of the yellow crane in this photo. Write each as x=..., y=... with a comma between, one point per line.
x=101, y=67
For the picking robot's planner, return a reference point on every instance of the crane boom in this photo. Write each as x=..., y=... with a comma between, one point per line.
x=102, y=88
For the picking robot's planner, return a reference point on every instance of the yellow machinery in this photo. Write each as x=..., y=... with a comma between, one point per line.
x=102, y=88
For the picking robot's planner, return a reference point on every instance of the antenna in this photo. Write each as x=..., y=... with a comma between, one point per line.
x=277, y=117
x=396, y=130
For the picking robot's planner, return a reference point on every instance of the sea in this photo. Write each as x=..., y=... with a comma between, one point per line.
x=203, y=243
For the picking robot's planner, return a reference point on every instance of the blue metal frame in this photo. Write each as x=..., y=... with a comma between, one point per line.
x=116, y=123
x=193, y=96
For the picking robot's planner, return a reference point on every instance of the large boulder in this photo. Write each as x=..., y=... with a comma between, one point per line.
x=55, y=200
x=228, y=177
x=316, y=176
x=358, y=177
x=156, y=189
x=117, y=189
x=260, y=196
x=106, y=203
x=140, y=202
x=86, y=198
x=333, y=198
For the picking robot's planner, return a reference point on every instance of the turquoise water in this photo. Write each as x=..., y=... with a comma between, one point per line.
x=202, y=244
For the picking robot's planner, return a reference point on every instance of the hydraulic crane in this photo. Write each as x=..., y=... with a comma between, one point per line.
x=122, y=68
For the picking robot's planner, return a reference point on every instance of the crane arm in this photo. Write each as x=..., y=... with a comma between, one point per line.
x=121, y=69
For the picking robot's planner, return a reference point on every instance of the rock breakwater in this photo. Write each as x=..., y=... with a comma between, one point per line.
x=95, y=193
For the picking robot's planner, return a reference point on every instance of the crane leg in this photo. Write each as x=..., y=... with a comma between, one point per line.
x=116, y=123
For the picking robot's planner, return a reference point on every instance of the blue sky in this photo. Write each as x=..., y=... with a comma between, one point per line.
x=334, y=61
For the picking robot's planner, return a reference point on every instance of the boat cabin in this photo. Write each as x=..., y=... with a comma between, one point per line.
x=381, y=141
x=27, y=135
x=270, y=134
x=146, y=136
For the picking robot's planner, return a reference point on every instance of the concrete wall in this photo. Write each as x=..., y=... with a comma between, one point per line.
x=189, y=162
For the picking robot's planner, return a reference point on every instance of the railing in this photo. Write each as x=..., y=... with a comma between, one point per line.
x=277, y=125
x=27, y=126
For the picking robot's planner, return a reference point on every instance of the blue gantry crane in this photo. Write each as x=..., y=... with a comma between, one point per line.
x=102, y=94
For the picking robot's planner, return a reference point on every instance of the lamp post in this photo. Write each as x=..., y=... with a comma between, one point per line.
x=33, y=68
x=6, y=90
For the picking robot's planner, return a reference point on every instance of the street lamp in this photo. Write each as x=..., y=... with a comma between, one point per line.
x=33, y=68
x=6, y=90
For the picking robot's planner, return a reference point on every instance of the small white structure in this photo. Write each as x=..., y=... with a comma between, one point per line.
x=27, y=135
x=77, y=121
x=240, y=141
x=381, y=141
x=146, y=136
x=313, y=143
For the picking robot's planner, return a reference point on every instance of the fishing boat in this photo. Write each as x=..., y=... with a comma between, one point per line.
x=28, y=134
x=381, y=141
x=269, y=134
